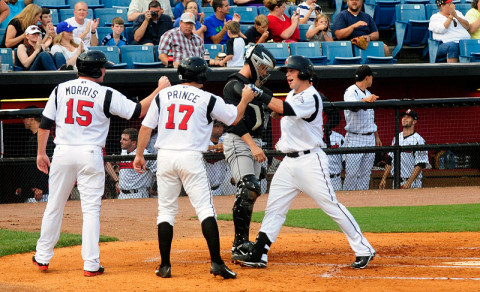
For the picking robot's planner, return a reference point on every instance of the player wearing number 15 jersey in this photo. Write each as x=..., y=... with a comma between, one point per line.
x=81, y=110
x=184, y=115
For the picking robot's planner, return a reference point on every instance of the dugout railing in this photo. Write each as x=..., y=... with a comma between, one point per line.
x=467, y=143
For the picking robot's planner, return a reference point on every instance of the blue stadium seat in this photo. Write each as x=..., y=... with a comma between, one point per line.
x=208, y=11
x=55, y=16
x=67, y=13
x=385, y=14
x=2, y=33
x=113, y=55
x=411, y=26
x=111, y=3
x=93, y=4
x=339, y=52
x=102, y=32
x=415, y=2
x=138, y=56
x=7, y=57
x=374, y=54
x=311, y=50
x=433, y=50
x=291, y=9
x=107, y=14
x=279, y=51
x=430, y=9
x=128, y=32
x=302, y=28
x=463, y=7
x=469, y=50
x=54, y=4
x=213, y=49
x=263, y=10
x=247, y=13
x=244, y=27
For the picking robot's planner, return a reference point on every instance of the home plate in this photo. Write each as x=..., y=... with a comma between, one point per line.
x=469, y=263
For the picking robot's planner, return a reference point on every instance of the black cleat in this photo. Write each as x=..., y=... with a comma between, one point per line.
x=223, y=271
x=362, y=262
x=249, y=260
x=40, y=266
x=94, y=273
x=241, y=249
x=164, y=271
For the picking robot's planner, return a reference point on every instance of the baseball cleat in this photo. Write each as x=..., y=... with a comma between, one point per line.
x=249, y=261
x=361, y=262
x=223, y=271
x=40, y=266
x=241, y=249
x=164, y=271
x=94, y=273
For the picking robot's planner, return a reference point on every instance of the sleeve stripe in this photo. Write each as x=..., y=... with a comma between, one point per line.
x=157, y=101
x=314, y=115
x=106, y=103
x=210, y=106
x=56, y=102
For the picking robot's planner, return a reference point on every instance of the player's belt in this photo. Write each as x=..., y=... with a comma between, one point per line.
x=334, y=175
x=363, y=134
x=130, y=191
x=297, y=154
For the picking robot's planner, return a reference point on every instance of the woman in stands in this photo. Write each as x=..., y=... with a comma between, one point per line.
x=192, y=6
x=282, y=28
x=33, y=54
x=66, y=48
x=15, y=35
x=320, y=31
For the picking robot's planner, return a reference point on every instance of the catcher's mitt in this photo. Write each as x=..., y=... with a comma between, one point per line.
x=360, y=42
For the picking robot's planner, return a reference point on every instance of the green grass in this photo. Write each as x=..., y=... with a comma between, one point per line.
x=443, y=218
x=12, y=242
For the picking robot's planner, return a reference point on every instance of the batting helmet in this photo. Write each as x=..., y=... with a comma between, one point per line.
x=90, y=64
x=302, y=64
x=193, y=69
x=255, y=56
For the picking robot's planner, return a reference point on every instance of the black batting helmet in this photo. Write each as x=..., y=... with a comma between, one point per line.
x=255, y=56
x=193, y=69
x=302, y=64
x=91, y=62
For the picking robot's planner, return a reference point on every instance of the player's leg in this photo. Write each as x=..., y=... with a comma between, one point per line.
x=365, y=171
x=352, y=169
x=62, y=177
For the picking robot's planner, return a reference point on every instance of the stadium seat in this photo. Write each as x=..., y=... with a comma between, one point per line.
x=113, y=55
x=55, y=16
x=112, y=3
x=208, y=11
x=433, y=50
x=302, y=28
x=339, y=52
x=430, y=9
x=415, y=2
x=102, y=32
x=128, y=33
x=263, y=10
x=247, y=13
x=469, y=50
x=138, y=56
x=7, y=57
x=291, y=9
x=107, y=14
x=384, y=14
x=411, y=26
x=374, y=54
x=2, y=33
x=311, y=50
x=213, y=49
x=244, y=27
x=67, y=13
x=463, y=7
x=93, y=4
x=53, y=4
x=279, y=51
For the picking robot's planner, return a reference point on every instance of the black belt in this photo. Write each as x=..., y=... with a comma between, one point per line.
x=363, y=134
x=215, y=188
x=297, y=154
x=130, y=191
x=334, y=175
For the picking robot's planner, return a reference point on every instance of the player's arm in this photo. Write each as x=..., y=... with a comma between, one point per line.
x=383, y=182
x=43, y=162
x=416, y=171
x=257, y=152
x=163, y=82
x=143, y=137
x=275, y=104
x=247, y=96
x=378, y=142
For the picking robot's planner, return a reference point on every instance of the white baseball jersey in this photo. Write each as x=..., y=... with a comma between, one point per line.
x=363, y=121
x=184, y=116
x=129, y=179
x=298, y=132
x=81, y=110
x=80, y=28
x=409, y=159
x=335, y=161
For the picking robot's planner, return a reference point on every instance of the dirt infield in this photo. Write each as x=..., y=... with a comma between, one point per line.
x=300, y=260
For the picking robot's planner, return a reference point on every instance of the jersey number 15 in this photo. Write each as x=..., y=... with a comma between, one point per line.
x=84, y=117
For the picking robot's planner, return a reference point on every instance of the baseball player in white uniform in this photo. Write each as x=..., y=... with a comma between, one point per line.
x=361, y=132
x=81, y=110
x=184, y=116
x=304, y=169
x=131, y=184
x=411, y=162
x=335, y=161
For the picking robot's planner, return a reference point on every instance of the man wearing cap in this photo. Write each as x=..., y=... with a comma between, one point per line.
x=181, y=41
x=86, y=29
x=149, y=27
x=361, y=132
x=138, y=7
x=412, y=162
x=448, y=26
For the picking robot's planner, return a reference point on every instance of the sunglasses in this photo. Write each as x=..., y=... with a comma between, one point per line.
x=454, y=23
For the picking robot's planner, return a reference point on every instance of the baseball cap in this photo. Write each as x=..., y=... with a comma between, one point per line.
x=65, y=26
x=441, y=2
x=362, y=72
x=32, y=29
x=188, y=17
x=410, y=112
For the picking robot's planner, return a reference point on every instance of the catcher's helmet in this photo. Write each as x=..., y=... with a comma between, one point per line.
x=91, y=62
x=193, y=69
x=302, y=64
x=255, y=56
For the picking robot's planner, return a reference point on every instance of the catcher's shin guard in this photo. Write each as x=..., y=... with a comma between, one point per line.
x=248, y=191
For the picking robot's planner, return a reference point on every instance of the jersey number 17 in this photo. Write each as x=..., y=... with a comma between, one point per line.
x=181, y=108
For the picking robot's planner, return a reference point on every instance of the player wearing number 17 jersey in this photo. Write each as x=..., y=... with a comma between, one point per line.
x=81, y=110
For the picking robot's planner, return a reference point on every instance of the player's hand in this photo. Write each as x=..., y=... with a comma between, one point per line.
x=378, y=142
x=139, y=164
x=382, y=184
x=219, y=148
x=258, y=154
x=407, y=184
x=371, y=98
x=163, y=82
x=43, y=163
x=247, y=93
x=117, y=187
x=275, y=115
x=236, y=17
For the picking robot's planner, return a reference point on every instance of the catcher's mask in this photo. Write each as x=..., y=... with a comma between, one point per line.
x=256, y=56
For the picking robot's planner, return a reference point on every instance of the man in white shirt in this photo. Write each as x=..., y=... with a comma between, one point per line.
x=138, y=7
x=86, y=28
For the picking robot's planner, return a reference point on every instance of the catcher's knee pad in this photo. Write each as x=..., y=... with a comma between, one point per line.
x=249, y=188
x=248, y=191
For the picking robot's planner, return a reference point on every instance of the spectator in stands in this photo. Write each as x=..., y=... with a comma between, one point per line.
x=353, y=23
x=66, y=48
x=282, y=28
x=115, y=38
x=308, y=11
x=33, y=54
x=235, y=47
x=258, y=33
x=255, y=3
x=47, y=28
x=149, y=27
x=131, y=184
x=4, y=13
x=473, y=17
x=15, y=7
x=181, y=41
x=448, y=26
x=139, y=7
x=320, y=31
x=180, y=8
x=216, y=23
x=199, y=29
x=14, y=34
x=412, y=162
x=85, y=28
